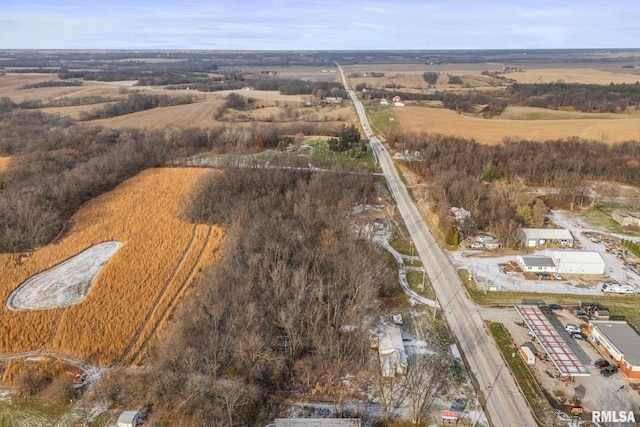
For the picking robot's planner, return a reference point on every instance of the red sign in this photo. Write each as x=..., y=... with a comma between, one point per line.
x=450, y=415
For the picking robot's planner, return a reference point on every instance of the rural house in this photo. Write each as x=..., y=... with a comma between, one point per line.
x=393, y=358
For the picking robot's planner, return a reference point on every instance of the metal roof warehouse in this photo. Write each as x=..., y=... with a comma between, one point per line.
x=534, y=237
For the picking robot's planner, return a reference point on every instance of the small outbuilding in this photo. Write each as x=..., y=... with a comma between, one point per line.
x=130, y=419
x=536, y=237
x=577, y=262
x=621, y=341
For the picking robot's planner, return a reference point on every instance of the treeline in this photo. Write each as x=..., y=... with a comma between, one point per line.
x=52, y=83
x=64, y=102
x=284, y=86
x=284, y=308
x=613, y=98
x=459, y=169
x=135, y=102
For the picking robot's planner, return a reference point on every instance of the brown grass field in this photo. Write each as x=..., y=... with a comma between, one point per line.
x=492, y=131
x=137, y=289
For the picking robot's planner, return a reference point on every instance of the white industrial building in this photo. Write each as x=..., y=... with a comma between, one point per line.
x=536, y=263
x=576, y=262
x=535, y=237
x=393, y=358
x=317, y=422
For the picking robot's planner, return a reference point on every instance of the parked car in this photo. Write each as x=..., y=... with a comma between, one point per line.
x=571, y=328
x=555, y=306
x=601, y=363
x=578, y=312
x=577, y=335
x=557, y=276
x=607, y=371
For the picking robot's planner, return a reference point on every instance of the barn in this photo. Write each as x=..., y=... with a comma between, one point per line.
x=577, y=262
x=621, y=341
x=535, y=237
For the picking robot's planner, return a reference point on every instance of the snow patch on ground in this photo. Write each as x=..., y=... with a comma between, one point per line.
x=66, y=284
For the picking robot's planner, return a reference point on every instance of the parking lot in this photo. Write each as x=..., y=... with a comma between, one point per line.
x=593, y=392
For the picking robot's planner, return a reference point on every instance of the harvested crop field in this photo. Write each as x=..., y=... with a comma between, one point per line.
x=200, y=114
x=267, y=95
x=12, y=84
x=568, y=75
x=4, y=161
x=493, y=131
x=138, y=287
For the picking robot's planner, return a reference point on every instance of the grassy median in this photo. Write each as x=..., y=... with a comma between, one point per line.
x=523, y=376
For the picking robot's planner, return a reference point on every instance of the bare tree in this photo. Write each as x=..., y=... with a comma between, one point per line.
x=426, y=379
x=389, y=390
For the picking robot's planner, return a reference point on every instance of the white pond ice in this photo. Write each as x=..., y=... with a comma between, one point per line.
x=66, y=284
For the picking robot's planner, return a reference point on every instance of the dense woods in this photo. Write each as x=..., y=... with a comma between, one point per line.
x=488, y=180
x=286, y=305
x=613, y=98
x=56, y=166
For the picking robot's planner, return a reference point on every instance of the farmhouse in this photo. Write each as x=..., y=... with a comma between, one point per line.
x=536, y=263
x=621, y=341
x=393, y=358
x=576, y=262
x=626, y=218
x=535, y=237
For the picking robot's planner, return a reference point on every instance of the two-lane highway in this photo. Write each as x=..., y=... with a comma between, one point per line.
x=503, y=403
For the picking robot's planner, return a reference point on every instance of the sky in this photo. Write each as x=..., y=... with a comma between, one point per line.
x=319, y=25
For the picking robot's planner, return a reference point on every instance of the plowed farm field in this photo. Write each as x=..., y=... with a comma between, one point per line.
x=492, y=131
x=199, y=114
x=138, y=287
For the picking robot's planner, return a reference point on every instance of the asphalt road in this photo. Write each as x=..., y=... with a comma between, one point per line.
x=500, y=397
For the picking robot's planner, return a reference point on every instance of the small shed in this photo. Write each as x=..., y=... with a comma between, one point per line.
x=130, y=419
x=527, y=355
